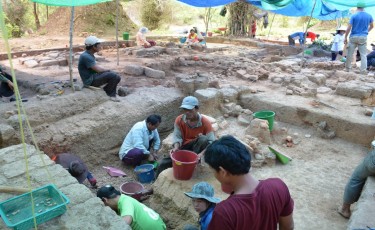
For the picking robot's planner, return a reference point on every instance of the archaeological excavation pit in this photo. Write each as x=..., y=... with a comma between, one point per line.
x=324, y=110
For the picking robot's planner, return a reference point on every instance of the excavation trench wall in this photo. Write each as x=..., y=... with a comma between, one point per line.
x=90, y=125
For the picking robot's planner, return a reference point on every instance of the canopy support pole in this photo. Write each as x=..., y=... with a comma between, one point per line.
x=117, y=15
x=305, y=33
x=268, y=36
x=71, y=49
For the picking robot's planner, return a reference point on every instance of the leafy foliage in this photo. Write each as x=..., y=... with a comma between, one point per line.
x=16, y=17
x=321, y=44
x=151, y=14
x=239, y=19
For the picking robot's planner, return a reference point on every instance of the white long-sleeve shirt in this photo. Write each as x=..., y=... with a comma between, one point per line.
x=139, y=137
x=338, y=43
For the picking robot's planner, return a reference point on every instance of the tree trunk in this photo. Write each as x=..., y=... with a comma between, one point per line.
x=239, y=18
x=207, y=18
x=37, y=22
x=5, y=6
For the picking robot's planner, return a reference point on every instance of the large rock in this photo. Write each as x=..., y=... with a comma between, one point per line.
x=259, y=128
x=318, y=79
x=31, y=63
x=134, y=70
x=7, y=133
x=229, y=94
x=209, y=100
x=42, y=170
x=49, y=62
x=354, y=90
x=153, y=73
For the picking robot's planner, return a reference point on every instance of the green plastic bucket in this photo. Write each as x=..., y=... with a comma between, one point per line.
x=266, y=115
x=125, y=36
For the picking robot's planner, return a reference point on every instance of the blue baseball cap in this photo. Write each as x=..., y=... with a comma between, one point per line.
x=189, y=102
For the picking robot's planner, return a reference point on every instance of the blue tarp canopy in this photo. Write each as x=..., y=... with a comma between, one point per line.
x=324, y=9
x=206, y=3
x=299, y=8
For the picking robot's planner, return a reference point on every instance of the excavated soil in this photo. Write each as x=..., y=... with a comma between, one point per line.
x=316, y=177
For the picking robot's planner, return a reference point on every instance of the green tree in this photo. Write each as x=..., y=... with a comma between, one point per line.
x=240, y=16
x=152, y=13
x=16, y=14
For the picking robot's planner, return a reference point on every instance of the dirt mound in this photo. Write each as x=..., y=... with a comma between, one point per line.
x=96, y=19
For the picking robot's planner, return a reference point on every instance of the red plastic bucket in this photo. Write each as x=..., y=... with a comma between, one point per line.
x=184, y=163
x=133, y=189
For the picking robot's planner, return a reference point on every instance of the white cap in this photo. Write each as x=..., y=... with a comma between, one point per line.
x=92, y=40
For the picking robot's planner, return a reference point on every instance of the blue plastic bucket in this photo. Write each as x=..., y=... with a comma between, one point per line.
x=145, y=173
x=183, y=40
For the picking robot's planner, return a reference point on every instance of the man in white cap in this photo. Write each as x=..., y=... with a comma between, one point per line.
x=192, y=131
x=360, y=24
x=94, y=75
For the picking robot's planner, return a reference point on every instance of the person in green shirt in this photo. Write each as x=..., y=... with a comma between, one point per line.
x=135, y=214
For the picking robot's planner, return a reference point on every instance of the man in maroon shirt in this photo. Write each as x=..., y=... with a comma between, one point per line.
x=253, y=204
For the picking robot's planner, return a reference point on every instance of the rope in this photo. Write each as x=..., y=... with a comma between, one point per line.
x=21, y=108
x=305, y=33
x=71, y=48
x=271, y=26
x=117, y=15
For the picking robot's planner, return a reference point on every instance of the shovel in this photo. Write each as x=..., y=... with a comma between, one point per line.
x=15, y=190
x=114, y=172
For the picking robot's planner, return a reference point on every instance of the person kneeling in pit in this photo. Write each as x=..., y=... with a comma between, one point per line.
x=76, y=167
x=94, y=75
x=192, y=131
x=204, y=202
x=142, y=142
x=135, y=214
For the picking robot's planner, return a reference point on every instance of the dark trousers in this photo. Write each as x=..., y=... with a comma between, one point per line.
x=197, y=146
x=135, y=156
x=110, y=78
x=334, y=55
x=5, y=90
x=291, y=41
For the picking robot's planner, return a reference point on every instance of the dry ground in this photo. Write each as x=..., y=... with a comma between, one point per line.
x=316, y=176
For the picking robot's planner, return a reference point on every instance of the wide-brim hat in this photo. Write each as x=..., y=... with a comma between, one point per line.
x=342, y=28
x=203, y=190
x=74, y=165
